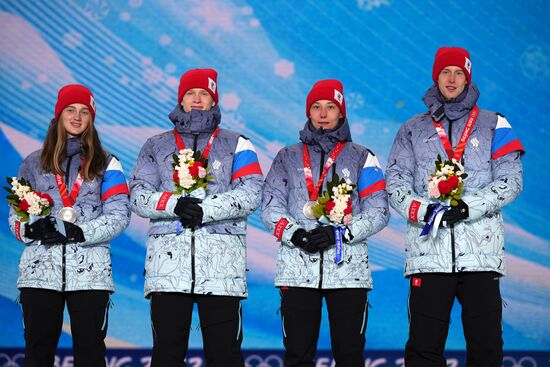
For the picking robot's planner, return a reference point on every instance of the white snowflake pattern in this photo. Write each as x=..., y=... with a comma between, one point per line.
x=97, y=9
x=125, y=16
x=368, y=5
x=230, y=101
x=354, y=100
x=535, y=62
x=284, y=68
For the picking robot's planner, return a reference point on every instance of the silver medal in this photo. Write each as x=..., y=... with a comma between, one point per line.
x=68, y=214
x=308, y=209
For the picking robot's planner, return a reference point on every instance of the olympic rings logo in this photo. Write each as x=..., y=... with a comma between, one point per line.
x=255, y=360
x=523, y=362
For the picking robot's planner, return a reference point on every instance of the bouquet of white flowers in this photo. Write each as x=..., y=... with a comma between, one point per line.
x=190, y=173
x=26, y=202
x=335, y=203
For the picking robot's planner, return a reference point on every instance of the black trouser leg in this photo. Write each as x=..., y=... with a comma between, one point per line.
x=43, y=319
x=170, y=321
x=89, y=319
x=221, y=325
x=479, y=295
x=431, y=298
x=347, y=313
x=301, y=318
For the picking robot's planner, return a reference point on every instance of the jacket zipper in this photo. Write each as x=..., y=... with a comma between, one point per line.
x=193, y=235
x=64, y=245
x=453, y=250
x=320, y=191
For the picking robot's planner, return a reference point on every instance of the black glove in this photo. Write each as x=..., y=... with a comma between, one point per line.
x=429, y=211
x=456, y=214
x=189, y=211
x=73, y=233
x=44, y=230
x=300, y=239
x=322, y=237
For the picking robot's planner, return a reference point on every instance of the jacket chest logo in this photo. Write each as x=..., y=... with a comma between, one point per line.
x=475, y=143
x=346, y=172
x=216, y=164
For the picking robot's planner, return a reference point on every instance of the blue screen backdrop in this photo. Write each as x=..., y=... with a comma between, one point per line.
x=268, y=54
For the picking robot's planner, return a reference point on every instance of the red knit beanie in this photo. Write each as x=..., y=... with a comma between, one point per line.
x=330, y=89
x=455, y=56
x=206, y=79
x=74, y=93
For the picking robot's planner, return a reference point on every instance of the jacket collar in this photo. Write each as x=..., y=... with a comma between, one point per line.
x=195, y=121
x=325, y=139
x=454, y=109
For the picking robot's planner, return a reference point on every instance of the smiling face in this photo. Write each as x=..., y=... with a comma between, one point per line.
x=451, y=82
x=197, y=99
x=324, y=114
x=75, y=118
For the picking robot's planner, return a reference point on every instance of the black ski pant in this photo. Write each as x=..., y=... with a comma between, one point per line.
x=431, y=299
x=43, y=321
x=301, y=320
x=221, y=326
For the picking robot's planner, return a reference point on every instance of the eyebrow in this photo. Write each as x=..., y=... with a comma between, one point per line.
x=330, y=103
x=85, y=108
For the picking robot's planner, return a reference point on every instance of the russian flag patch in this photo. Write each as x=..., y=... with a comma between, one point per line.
x=505, y=140
x=245, y=161
x=371, y=178
x=114, y=181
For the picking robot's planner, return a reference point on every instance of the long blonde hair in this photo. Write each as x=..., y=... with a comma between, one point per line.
x=54, y=150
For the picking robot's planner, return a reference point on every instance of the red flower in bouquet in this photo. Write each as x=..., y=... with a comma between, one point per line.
x=447, y=181
x=194, y=169
x=329, y=205
x=444, y=187
x=24, y=205
x=46, y=196
x=348, y=209
x=453, y=182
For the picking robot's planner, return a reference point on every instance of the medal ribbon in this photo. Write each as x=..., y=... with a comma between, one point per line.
x=339, y=233
x=206, y=152
x=313, y=191
x=431, y=220
x=69, y=199
x=459, y=151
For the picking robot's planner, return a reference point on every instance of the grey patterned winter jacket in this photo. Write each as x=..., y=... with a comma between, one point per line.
x=285, y=194
x=103, y=213
x=212, y=258
x=492, y=161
